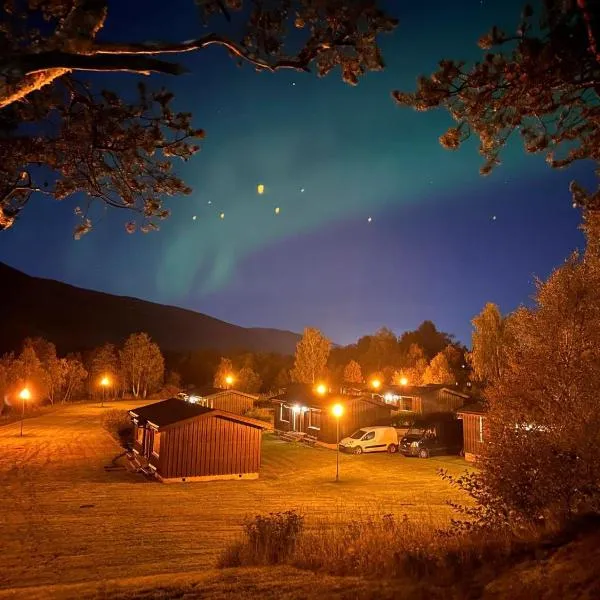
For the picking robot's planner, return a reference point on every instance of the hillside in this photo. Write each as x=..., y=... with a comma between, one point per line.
x=77, y=319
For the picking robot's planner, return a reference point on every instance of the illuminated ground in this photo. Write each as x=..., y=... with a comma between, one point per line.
x=65, y=520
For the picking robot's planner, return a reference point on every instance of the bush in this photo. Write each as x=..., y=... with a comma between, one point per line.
x=270, y=540
x=261, y=414
x=118, y=424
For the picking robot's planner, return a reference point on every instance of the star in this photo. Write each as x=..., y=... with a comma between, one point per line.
x=260, y=188
x=194, y=218
x=369, y=219
x=293, y=83
x=222, y=215
x=210, y=201
x=277, y=210
x=302, y=190
x=494, y=218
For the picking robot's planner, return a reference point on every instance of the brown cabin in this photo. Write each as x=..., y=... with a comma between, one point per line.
x=421, y=399
x=230, y=400
x=475, y=431
x=180, y=441
x=302, y=410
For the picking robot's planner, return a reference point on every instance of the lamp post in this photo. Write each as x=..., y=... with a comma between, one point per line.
x=376, y=384
x=104, y=382
x=229, y=381
x=338, y=411
x=24, y=394
x=321, y=389
x=403, y=381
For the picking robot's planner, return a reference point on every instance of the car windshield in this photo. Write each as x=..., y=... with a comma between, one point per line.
x=358, y=434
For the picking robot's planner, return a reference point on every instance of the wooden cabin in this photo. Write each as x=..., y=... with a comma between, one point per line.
x=301, y=409
x=474, y=429
x=180, y=441
x=422, y=399
x=230, y=400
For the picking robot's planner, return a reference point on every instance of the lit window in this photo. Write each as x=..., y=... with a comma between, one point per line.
x=139, y=435
x=284, y=414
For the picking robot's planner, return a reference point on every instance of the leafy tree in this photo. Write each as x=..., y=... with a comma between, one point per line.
x=104, y=361
x=382, y=350
x=142, y=364
x=427, y=337
x=27, y=370
x=439, y=371
x=312, y=352
x=541, y=81
x=490, y=338
x=542, y=458
x=74, y=375
x=353, y=373
x=118, y=152
x=50, y=365
x=416, y=365
x=282, y=380
x=224, y=370
x=248, y=380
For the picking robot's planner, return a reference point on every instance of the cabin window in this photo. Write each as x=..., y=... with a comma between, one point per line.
x=406, y=403
x=139, y=435
x=314, y=417
x=480, y=429
x=156, y=443
x=284, y=414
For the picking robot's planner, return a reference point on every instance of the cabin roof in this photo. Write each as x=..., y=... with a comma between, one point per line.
x=304, y=394
x=208, y=390
x=173, y=410
x=478, y=407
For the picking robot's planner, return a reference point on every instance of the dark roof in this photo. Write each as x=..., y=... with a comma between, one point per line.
x=418, y=390
x=168, y=411
x=478, y=407
x=304, y=394
x=205, y=390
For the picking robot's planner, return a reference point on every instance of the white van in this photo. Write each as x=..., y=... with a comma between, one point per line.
x=371, y=439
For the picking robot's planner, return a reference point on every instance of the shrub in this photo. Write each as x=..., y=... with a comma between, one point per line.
x=261, y=414
x=118, y=424
x=269, y=540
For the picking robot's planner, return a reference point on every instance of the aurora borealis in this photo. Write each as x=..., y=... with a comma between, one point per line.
x=440, y=242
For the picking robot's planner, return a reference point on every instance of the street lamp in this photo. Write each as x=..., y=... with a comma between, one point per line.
x=321, y=389
x=403, y=381
x=24, y=394
x=376, y=384
x=104, y=382
x=229, y=380
x=338, y=411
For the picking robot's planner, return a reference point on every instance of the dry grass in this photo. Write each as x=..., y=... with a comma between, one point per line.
x=65, y=519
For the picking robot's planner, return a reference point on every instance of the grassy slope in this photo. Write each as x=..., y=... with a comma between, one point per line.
x=67, y=520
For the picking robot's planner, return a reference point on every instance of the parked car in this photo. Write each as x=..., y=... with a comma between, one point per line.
x=371, y=439
x=435, y=434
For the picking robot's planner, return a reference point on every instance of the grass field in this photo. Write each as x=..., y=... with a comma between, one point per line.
x=66, y=520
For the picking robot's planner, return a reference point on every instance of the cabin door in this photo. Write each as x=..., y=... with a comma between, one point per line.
x=299, y=421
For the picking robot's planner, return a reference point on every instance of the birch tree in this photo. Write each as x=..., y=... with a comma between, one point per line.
x=312, y=352
x=142, y=364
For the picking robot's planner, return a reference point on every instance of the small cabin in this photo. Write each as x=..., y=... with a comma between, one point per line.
x=179, y=441
x=422, y=399
x=475, y=431
x=222, y=399
x=302, y=410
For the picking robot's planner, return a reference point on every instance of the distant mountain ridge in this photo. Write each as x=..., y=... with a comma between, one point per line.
x=77, y=319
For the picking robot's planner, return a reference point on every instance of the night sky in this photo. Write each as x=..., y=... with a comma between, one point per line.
x=441, y=239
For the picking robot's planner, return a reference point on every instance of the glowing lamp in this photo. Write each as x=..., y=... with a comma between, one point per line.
x=229, y=379
x=403, y=381
x=105, y=381
x=337, y=410
x=376, y=384
x=321, y=389
x=25, y=394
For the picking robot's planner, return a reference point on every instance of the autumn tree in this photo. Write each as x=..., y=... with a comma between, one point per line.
x=248, y=380
x=542, y=458
x=51, y=370
x=540, y=82
x=103, y=362
x=27, y=370
x=118, y=152
x=312, y=352
x=427, y=336
x=74, y=375
x=382, y=350
x=224, y=370
x=439, y=371
x=490, y=339
x=142, y=364
x=414, y=369
x=353, y=373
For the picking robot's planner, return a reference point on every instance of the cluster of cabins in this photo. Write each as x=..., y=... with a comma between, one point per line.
x=206, y=435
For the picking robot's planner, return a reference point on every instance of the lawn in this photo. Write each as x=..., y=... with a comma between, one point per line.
x=67, y=520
